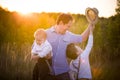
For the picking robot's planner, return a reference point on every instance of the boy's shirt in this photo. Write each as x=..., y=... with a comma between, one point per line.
x=42, y=50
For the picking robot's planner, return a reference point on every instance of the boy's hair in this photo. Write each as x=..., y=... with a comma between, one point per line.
x=65, y=18
x=71, y=51
x=40, y=32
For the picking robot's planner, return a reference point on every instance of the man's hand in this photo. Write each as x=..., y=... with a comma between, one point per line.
x=48, y=56
x=92, y=26
x=35, y=57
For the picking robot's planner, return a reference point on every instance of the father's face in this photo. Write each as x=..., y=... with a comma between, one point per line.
x=65, y=27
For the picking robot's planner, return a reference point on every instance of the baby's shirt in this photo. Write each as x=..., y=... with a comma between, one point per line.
x=42, y=50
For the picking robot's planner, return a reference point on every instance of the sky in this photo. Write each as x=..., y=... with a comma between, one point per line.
x=106, y=8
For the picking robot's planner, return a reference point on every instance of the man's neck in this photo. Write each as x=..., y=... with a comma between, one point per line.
x=56, y=29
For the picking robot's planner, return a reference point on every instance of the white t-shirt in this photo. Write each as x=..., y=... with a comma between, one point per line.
x=42, y=50
x=84, y=70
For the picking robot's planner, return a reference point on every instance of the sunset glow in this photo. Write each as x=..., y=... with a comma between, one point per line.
x=106, y=7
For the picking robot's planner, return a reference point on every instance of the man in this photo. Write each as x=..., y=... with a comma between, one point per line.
x=59, y=37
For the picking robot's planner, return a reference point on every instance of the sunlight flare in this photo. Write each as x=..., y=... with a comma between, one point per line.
x=105, y=7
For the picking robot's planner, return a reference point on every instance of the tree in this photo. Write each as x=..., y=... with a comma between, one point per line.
x=118, y=7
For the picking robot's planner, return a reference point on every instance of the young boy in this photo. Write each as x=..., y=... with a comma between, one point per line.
x=41, y=51
x=79, y=66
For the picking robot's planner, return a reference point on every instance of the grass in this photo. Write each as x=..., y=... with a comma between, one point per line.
x=15, y=64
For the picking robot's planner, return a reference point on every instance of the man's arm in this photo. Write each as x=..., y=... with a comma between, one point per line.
x=89, y=45
x=85, y=34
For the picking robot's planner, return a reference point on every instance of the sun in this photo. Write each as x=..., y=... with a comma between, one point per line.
x=72, y=6
x=21, y=6
x=24, y=12
x=21, y=10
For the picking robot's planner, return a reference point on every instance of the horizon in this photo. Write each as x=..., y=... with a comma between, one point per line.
x=74, y=7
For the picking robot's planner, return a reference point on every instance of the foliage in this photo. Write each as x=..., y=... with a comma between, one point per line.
x=118, y=7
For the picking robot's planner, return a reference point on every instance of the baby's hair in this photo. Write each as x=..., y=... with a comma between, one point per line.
x=39, y=32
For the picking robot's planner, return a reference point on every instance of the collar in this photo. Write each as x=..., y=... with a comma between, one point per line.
x=53, y=30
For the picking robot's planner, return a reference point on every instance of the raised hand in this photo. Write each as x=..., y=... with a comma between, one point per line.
x=92, y=15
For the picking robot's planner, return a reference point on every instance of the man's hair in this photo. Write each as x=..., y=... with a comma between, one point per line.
x=65, y=18
x=71, y=51
x=41, y=32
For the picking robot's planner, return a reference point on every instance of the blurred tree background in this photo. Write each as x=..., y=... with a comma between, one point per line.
x=16, y=37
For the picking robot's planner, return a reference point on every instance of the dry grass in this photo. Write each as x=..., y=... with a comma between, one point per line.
x=15, y=64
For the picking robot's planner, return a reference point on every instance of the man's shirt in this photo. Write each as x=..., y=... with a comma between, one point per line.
x=59, y=43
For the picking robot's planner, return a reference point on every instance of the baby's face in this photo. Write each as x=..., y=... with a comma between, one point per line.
x=39, y=40
x=79, y=50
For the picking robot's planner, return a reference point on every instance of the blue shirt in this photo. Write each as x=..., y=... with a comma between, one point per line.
x=59, y=43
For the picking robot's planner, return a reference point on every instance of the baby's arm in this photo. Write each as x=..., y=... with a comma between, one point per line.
x=34, y=54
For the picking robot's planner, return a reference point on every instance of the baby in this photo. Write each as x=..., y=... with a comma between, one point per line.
x=41, y=47
x=41, y=51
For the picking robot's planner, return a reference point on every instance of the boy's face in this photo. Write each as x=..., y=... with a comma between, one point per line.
x=79, y=50
x=39, y=39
